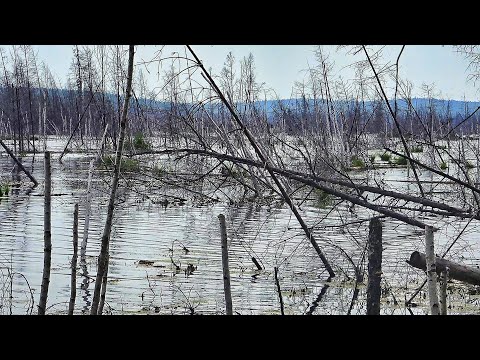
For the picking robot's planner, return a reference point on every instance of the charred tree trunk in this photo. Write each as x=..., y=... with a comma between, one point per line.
x=226, y=270
x=374, y=267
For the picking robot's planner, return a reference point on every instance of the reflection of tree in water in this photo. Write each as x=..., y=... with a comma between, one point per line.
x=84, y=286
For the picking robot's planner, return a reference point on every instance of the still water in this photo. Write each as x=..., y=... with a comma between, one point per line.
x=167, y=259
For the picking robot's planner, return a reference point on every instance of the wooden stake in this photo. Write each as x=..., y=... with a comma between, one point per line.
x=73, y=277
x=374, y=267
x=226, y=270
x=279, y=291
x=47, y=237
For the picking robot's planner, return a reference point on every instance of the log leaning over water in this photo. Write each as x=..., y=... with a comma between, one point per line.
x=20, y=165
x=456, y=271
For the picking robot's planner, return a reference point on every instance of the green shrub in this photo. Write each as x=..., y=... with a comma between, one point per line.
x=138, y=142
x=401, y=161
x=127, y=164
x=158, y=171
x=323, y=199
x=469, y=165
x=372, y=158
x=417, y=149
x=385, y=157
x=443, y=165
x=357, y=162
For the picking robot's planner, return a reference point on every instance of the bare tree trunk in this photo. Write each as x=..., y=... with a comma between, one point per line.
x=73, y=278
x=226, y=270
x=431, y=270
x=47, y=237
x=100, y=148
x=104, y=287
x=103, y=257
x=279, y=184
x=374, y=267
x=88, y=206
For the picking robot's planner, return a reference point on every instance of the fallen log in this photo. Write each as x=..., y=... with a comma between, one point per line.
x=456, y=271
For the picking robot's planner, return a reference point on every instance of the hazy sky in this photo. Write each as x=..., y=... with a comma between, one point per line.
x=279, y=66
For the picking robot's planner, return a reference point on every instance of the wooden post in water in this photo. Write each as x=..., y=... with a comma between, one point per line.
x=73, y=278
x=431, y=271
x=279, y=291
x=374, y=266
x=47, y=237
x=443, y=291
x=226, y=270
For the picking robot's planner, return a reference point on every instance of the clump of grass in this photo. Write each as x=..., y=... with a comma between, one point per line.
x=4, y=189
x=323, y=199
x=159, y=171
x=126, y=164
x=372, y=158
x=469, y=165
x=417, y=149
x=357, y=162
x=443, y=165
x=401, y=161
x=385, y=156
x=138, y=142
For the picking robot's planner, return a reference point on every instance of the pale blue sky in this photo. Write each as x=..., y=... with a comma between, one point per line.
x=279, y=66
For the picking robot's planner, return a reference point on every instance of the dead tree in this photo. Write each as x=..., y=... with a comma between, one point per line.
x=103, y=257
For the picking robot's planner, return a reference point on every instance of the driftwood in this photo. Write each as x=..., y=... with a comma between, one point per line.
x=456, y=271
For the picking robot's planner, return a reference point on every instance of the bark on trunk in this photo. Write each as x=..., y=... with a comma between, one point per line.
x=374, y=267
x=226, y=270
x=431, y=271
x=456, y=271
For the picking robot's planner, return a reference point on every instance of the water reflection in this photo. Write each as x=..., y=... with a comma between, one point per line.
x=167, y=259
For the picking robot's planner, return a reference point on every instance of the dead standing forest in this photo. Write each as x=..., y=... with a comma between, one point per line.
x=352, y=202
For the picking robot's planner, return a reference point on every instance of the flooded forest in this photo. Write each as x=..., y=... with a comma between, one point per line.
x=208, y=194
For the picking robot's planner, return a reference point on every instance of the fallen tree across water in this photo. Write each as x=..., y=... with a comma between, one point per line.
x=456, y=271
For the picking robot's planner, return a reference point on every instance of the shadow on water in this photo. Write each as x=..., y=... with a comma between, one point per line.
x=322, y=293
